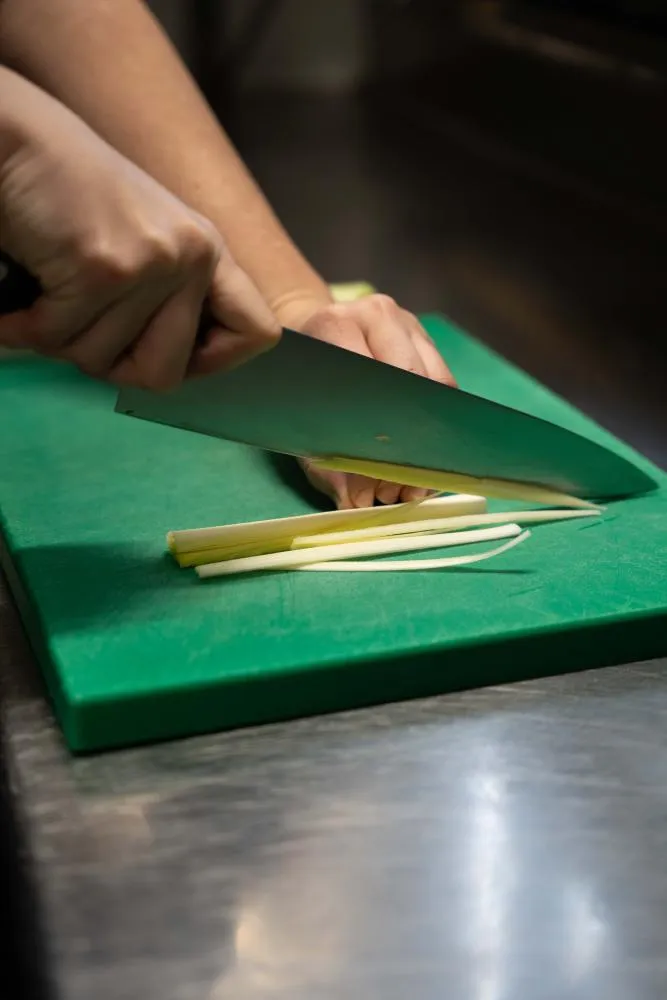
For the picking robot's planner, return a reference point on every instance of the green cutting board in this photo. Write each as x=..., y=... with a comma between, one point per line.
x=134, y=649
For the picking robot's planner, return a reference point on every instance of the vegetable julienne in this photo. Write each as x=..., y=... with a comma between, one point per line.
x=294, y=558
x=441, y=524
x=206, y=545
x=346, y=541
x=407, y=565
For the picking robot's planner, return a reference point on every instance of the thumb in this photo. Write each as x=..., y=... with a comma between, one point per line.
x=247, y=326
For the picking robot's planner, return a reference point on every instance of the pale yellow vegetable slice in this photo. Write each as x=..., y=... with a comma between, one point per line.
x=412, y=565
x=257, y=548
x=451, y=482
x=441, y=524
x=350, y=291
x=283, y=529
x=355, y=550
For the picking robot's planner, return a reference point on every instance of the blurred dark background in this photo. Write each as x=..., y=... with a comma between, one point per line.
x=504, y=163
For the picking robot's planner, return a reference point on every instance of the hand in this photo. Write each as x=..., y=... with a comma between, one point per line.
x=377, y=327
x=124, y=265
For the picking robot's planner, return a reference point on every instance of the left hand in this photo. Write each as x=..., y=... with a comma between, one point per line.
x=377, y=327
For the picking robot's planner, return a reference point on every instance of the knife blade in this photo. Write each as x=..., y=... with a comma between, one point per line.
x=311, y=399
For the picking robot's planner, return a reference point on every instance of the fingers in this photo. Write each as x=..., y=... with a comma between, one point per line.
x=335, y=328
x=362, y=491
x=160, y=357
x=100, y=348
x=378, y=328
x=247, y=325
x=238, y=305
x=347, y=491
x=333, y=484
x=389, y=337
x=393, y=337
x=431, y=358
x=54, y=321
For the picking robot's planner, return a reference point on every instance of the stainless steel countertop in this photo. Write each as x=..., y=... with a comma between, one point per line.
x=498, y=844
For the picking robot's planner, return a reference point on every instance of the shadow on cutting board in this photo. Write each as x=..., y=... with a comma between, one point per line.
x=76, y=586
x=289, y=472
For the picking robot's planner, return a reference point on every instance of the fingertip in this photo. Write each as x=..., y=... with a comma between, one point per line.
x=363, y=496
x=412, y=493
x=225, y=350
x=238, y=305
x=388, y=493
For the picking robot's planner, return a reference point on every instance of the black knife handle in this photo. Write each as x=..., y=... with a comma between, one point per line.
x=19, y=290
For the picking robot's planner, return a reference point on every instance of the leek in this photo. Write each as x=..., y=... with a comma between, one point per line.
x=451, y=482
x=191, y=547
x=440, y=524
x=353, y=550
x=412, y=565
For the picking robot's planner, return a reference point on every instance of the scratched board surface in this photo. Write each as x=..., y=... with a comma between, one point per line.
x=134, y=649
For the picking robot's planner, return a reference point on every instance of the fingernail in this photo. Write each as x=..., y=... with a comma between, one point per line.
x=410, y=493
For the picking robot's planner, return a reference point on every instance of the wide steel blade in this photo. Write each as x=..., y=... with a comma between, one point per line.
x=308, y=398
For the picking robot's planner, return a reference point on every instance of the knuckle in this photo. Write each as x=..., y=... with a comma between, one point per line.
x=383, y=303
x=159, y=252
x=199, y=242
x=337, y=312
x=105, y=265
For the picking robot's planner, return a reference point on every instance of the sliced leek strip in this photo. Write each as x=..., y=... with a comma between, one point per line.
x=356, y=550
x=255, y=533
x=452, y=482
x=441, y=524
x=412, y=565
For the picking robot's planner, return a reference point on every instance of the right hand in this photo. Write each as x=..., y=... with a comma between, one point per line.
x=125, y=266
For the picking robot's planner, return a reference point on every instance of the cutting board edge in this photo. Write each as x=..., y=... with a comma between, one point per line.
x=362, y=683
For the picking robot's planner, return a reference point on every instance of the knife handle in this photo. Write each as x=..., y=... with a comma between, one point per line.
x=20, y=290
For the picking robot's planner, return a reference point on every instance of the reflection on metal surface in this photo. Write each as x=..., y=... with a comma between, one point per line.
x=297, y=928
x=587, y=932
x=121, y=828
x=491, y=876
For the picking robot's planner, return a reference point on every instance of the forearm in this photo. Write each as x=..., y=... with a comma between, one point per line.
x=109, y=61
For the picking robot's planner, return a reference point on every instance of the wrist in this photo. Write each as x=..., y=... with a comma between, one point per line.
x=294, y=309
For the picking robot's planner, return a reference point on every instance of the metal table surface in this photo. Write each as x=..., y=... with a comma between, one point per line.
x=502, y=843
x=495, y=845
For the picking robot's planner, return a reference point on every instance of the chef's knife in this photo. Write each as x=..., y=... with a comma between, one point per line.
x=308, y=398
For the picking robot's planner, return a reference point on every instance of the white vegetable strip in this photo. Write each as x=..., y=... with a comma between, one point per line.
x=251, y=532
x=440, y=524
x=412, y=565
x=359, y=550
x=451, y=482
